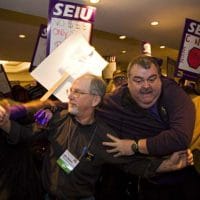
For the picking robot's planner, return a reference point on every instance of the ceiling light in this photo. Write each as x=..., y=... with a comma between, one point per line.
x=162, y=47
x=123, y=51
x=22, y=36
x=154, y=23
x=94, y=1
x=122, y=37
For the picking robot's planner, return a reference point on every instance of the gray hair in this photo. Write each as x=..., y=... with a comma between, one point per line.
x=145, y=62
x=97, y=85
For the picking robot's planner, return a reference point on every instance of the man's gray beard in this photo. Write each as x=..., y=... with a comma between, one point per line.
x=73, y=110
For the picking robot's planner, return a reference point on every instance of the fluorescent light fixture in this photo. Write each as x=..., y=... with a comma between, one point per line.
x=122, y=37
x=154, y=23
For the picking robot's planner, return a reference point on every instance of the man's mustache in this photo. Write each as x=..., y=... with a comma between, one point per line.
x=146, y=91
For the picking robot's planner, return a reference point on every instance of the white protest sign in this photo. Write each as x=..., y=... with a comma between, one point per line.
x=74, y=57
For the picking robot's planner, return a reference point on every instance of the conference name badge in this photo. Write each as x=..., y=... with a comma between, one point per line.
x=67, y=162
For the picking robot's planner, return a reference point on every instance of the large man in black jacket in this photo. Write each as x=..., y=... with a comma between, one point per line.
x=155, y=117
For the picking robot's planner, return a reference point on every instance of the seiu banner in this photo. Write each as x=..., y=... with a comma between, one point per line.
x=189, y=54
x=66, y=18
x=40, y=48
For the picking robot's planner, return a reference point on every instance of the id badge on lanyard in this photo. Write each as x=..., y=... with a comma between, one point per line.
x=67, y=161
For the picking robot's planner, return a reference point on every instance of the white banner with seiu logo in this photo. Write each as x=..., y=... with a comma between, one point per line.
x=66, y=18
x=189, y=54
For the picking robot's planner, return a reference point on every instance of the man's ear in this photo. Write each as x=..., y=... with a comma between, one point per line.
x=96, y=100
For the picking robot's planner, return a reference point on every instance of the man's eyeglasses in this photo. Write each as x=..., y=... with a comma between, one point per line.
x=77, y=93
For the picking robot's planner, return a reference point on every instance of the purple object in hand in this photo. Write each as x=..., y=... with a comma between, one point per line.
x=43, y=116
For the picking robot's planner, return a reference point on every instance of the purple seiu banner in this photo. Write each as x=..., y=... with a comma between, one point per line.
x=40, y=51
x=66, y=18
x=189, y=55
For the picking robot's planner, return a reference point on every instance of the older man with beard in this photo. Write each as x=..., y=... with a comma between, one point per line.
x=153, y=116
x=76, y=155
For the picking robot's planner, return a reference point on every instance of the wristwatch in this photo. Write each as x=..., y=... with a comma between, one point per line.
x=134, y=146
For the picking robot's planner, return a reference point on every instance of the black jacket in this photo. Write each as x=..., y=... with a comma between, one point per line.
x=170, y=131
x=66, y=133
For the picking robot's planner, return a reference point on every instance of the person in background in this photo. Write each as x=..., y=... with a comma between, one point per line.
x=119, y=79
x=155, y=117
x=181, y=82
x=195, y=144
x=37, y=91
x=76, y=154
x=19, y=93
x=197, y=86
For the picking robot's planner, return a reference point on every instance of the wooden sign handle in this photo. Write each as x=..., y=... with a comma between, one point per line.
x=54, y=87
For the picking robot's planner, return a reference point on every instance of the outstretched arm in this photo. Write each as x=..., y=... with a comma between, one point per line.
x=176, y=161
x=151, y=166
x=15, y=131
